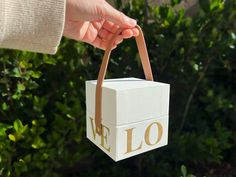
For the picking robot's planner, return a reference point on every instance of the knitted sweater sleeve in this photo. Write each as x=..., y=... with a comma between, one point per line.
x=33, y=25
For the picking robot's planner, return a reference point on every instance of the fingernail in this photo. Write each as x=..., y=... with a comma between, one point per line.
x=130, y=21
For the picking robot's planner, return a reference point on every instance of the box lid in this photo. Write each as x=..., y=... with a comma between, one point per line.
x=129, y=100
x=127, y=83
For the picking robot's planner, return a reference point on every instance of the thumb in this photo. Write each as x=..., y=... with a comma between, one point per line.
x=117, y=17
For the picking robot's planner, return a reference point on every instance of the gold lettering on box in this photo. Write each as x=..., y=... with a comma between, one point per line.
x=147, y=133
x=130, y=148
x=104, y=136
x=93, y=128
x=129, y=141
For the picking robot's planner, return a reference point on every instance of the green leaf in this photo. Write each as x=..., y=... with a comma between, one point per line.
x=38, y=143
x=191, y=175
x=183, y=170
x=49, y=60
x=12, y=137
x=16, y=73
x=233, y=35
x=18, y=125
x=3, y=128
x=16, y=96
x=36, y=74
x=4, y=106
x=20, y=87
x=24, y=64
x=32, y=85
x=216, y=5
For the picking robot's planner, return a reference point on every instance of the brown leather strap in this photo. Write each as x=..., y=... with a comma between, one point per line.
x=146, y=67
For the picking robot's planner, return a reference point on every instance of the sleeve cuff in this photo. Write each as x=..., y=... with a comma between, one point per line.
x=32, y=25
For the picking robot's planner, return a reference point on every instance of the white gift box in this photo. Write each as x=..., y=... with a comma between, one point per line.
x=128, y=116
x=134, y=116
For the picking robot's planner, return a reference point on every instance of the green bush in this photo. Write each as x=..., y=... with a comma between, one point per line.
x=42, y=99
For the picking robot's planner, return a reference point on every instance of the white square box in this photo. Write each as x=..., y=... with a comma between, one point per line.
x=134, y=116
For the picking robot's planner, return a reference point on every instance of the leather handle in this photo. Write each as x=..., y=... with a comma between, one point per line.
x=145, y=63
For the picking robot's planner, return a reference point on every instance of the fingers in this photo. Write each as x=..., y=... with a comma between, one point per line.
x=110, y=26
x=109, y=29
x=99, y=33
x=104, y=34
x=117, y=17
x=128, y=33
x=135, y=32
x=98, y=24
x=100, y=38
x=99, y=43
x=118, y=40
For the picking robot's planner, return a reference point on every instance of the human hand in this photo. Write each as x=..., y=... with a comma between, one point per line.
x=95, y=22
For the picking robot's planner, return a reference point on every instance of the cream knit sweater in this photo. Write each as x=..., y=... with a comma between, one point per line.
x=33, y=25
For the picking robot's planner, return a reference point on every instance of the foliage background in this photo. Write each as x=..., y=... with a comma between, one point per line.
x=42, y=98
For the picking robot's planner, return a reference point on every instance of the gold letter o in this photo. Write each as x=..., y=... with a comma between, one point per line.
x=147, y=132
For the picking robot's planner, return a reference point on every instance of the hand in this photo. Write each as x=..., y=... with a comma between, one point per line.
x=95, y=22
